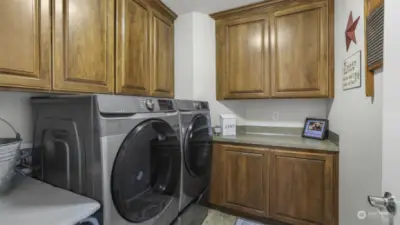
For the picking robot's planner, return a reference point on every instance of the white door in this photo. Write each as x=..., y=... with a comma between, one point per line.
x=391, y=106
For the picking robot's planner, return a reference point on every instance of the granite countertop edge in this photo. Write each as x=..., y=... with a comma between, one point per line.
x=284, y=141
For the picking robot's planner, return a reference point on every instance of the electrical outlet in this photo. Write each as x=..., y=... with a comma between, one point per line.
x=275, y=116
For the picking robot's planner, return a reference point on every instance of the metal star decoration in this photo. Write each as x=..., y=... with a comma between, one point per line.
x=350, y=30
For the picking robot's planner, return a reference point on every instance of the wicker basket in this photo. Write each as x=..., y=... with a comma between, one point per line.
x=9, y=154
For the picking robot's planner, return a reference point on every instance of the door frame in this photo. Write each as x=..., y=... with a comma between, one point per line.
x=391, y=106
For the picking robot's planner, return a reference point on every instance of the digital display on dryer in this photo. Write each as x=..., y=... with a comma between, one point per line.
x=166, y=105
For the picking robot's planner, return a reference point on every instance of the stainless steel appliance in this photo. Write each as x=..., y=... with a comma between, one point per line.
x=196, y=145
x=120, y=150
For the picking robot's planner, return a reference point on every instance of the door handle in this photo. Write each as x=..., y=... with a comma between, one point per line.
x=387, y=202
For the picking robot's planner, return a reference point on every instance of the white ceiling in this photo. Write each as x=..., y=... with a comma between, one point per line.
x=204, y=6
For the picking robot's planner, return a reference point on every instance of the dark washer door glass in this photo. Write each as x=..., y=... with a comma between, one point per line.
x=198, y=147
x=146, y=171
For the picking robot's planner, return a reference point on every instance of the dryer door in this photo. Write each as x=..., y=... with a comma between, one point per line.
x=198, y=147
x=146, y=171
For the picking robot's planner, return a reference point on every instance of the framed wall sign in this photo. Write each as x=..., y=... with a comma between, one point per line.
x=352, y=72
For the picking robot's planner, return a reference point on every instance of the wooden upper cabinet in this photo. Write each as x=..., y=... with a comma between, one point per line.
x=246, y=179
x=276, y=49
x=302, y=188
x=132, y=48
x=145, y=48
x=299, y=38
x=243, y=58
x=25, y=42
x=162, y=54
x=84, y=45
x=90, y=46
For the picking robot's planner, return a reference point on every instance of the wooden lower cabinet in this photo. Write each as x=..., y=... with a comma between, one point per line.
x=302, y=187
x=293, y=186
x=245, y=186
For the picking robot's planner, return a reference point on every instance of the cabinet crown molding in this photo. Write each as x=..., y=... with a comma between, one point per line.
x=160, y=6
x=259, y=6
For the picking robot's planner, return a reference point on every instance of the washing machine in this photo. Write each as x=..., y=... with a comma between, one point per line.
x=123, y=151
x=196, y=133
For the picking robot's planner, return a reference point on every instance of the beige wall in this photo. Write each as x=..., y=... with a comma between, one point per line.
x=184, y=53
x=358, y=121
x=15, y=108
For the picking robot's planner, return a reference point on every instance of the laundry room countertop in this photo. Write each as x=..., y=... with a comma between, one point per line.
x=274, y=140
x=36, y=203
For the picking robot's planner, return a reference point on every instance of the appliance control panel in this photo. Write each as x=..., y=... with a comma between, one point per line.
x=200, y=105
x=197, y=105
x=149, y=103
x=166, y=105
x=157, y=105
x=204, y=105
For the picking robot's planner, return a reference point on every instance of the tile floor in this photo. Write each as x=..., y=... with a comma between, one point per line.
x=218, y=218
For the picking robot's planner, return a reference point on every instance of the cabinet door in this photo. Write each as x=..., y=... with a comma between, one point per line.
x=246, y=179
x=217, y=171
x=300, y=51
x=243, y=69
x=133, y=68
x=302, y=188
x=162, y=58
x=84, y=45
x=25, y=43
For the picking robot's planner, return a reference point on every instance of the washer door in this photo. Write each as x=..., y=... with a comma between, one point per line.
x=198, y=147
x=146, y=171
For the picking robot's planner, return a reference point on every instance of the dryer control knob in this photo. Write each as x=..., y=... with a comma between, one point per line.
x=149, y=104
x=197, y=105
